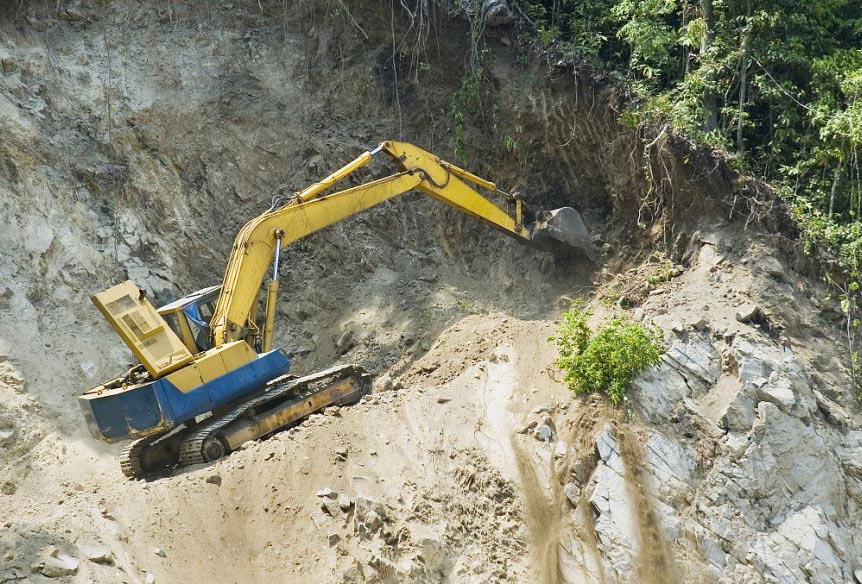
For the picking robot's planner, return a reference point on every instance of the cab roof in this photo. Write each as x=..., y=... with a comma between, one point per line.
x=188, y=299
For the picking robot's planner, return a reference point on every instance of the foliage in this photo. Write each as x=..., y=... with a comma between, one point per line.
x=606, y=361
x=778, y=82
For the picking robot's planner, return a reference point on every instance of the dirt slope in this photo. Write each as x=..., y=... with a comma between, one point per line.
x=139, y=137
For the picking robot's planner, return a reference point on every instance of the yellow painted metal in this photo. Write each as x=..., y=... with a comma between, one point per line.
x=310, y=211
x=291, y=411
x=187, y=378
x=253, y=334
x=469, y=176
x=235, y=355
x=212, y=364
x=269, y=318
x=318, y=187
x=142, y=328
x=440, y=182
x=186, y=335
x=254, y=246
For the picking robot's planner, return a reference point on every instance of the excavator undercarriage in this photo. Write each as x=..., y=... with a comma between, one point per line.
x=283, y=402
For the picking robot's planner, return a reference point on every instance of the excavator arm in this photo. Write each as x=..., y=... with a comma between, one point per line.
x=258, y=244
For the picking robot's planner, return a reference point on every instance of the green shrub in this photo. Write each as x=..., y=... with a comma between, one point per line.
x=607, y=360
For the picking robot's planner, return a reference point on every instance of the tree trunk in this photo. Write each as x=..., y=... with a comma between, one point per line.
x=743, y=83
x=710, y=99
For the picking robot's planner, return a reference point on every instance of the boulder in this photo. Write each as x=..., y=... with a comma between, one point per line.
x=545, y=432
x=53, y=563
x=496, y=12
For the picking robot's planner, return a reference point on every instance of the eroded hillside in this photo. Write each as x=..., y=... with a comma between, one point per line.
x=138, y=138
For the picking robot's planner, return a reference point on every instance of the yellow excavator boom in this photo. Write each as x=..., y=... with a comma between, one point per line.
x=259, y=242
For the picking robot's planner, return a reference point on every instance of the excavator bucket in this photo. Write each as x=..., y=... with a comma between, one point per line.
x=562, y=231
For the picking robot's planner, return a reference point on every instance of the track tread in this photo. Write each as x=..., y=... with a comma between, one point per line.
x=130, y=458
x=191, y=449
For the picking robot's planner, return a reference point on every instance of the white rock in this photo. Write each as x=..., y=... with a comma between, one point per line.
x=344, y=503
x=383, y=383
x=561, y=449
x=37, y=236
x=606, y=443
x=687, y=370
x=160, y=552
x=327, y=492
x=616, y=526
x=572, y=493
x=55, y=564
x=779, y=394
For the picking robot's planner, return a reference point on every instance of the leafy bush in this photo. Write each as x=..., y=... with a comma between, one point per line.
x=608, y=360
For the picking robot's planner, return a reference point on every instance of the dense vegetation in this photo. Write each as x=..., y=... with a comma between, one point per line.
x=607, y=360
x=776, y=82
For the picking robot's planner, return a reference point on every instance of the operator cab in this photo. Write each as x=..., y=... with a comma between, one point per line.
x=189, y=317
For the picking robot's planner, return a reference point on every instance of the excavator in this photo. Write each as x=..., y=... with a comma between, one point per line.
x=208, y=378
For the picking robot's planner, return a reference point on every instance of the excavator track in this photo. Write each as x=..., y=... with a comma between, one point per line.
x=130, y=459
x=205, y=443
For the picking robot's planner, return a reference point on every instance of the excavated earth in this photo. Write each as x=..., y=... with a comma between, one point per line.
x=138, y=137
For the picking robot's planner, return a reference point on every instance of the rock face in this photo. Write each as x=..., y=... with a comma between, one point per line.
x=776, y=500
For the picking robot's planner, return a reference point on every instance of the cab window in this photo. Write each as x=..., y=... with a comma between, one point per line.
x=173, y=322
x=206, y=310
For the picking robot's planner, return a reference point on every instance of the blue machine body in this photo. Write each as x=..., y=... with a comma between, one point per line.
x=158, y=406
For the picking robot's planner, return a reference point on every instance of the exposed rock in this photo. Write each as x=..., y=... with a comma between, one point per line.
x=344, y=503
x=779, y=394
x=160, y=552
x=214, y=479
x=748, y=313
x=332, y=539
x=496, y=12
x=527, y=428
x=383, y=383
x=368, y=517
x=616, y=524
x=545, y=432
x=99, y=555
x=687, y=370
x=327, y=493
x=669, y=465
x=54, y=564
x=582, y=468
x=771, y=266
x=561, y=449
x=572, y=493
x=833, y=412
x=345, y=342
x=330, y=507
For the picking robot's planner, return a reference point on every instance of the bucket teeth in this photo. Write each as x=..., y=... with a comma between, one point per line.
x=562, y=231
